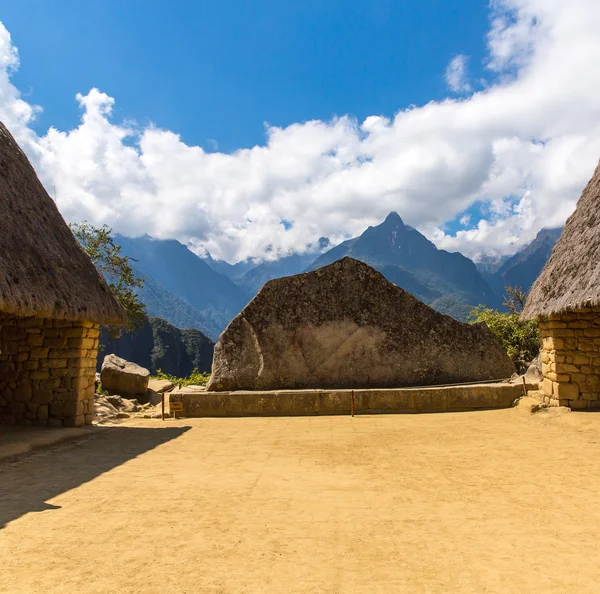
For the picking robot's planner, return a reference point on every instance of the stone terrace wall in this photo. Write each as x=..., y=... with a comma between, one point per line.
x=47, y=371
x=571, y=358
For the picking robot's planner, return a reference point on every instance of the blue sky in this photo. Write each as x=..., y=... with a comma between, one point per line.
x=478, y=122
x=219, y=70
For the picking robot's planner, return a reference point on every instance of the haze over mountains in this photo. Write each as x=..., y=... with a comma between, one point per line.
x=203, y=293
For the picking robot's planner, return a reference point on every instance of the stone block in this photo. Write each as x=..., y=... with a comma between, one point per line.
x=35, y=340
x=39, y=353
x=31, y=322
x=55, y=343
x=586, y=345
x=39, y=374
x=50, y=384
x=569, y=344
x=566, y=368
x=22, y=356
x=76, y=421
x=42, y=412
x=10, y=347
x=81, y=382
x=54, y=363
x=18, y=408
x=88, y=343
x=14, y=333
x=72, y=332
x=43, y=396
x=547, y=387
x=568, y=391
x=31, y=365
x=589, y=396
x=564, y=333
x=558, y=377
x=579, y=404
x=23, y=391
x=580, y=324
x=581, y=359
x=555, y=324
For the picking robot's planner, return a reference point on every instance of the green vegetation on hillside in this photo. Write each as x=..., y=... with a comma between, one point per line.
x=115, y=268
x=520, y=339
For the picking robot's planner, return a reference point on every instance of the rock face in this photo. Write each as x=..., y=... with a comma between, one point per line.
x=123, y=378
x=346, y=326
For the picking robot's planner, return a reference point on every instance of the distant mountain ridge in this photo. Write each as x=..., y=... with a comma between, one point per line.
x=256, y=277
x=522, y=269
x=204, y=293
x=182, y=278
x=407, y=258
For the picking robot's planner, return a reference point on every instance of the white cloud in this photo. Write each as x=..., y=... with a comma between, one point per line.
x=465, y=220
x=457, y=74
x=524, y=147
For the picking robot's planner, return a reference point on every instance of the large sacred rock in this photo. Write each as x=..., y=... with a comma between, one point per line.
x=346, y=326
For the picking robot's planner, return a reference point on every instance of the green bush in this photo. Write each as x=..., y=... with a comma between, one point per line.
x=194, y=379
x=520, y=339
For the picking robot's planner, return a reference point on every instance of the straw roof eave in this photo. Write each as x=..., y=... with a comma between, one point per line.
x=44, y=272
x=571, y=278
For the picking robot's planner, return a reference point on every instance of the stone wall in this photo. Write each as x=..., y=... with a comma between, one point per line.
x=571, y=359
x=47, y=371
x=339, y=402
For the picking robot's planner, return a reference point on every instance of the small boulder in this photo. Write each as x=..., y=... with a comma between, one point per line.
x=124, y=378
x=153, y=397
x=124, y=404
x=160, y=386
x=534, y=371
x=104, y=411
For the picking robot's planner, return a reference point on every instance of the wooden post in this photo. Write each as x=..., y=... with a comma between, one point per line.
x=352, y=402
x=163, y=406
x=524, y=386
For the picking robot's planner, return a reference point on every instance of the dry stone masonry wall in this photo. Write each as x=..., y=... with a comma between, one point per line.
x=571, y=358
x=47, y=371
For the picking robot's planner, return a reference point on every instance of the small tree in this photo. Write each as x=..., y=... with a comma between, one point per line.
x=116, y=269
x=520, y=339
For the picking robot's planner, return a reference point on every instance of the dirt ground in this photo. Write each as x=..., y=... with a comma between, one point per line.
x=496, y=501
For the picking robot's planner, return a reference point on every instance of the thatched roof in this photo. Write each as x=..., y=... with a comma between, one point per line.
x=571, y=278
x=43, y=270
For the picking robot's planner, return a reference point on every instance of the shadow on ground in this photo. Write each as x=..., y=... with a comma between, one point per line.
x=63, y=467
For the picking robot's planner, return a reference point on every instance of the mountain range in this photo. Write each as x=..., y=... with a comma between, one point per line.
x=203, y=293
x=158, y=345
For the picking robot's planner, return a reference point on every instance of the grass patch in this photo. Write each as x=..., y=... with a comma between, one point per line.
x=194, y=379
